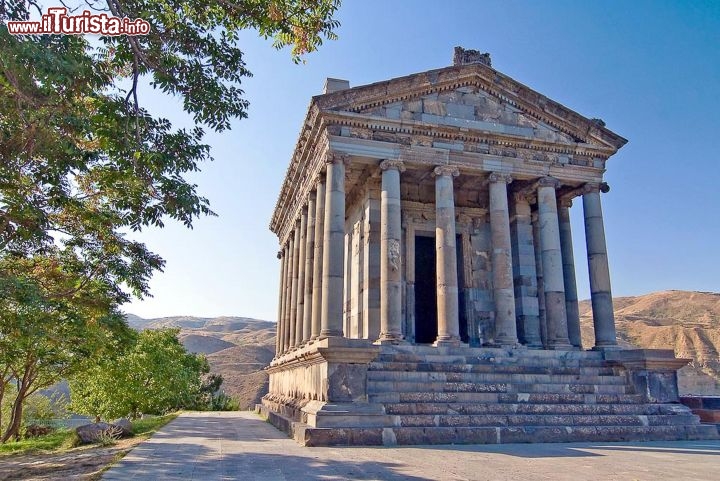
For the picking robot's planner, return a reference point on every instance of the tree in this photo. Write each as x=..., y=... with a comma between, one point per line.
x=154, y=376
x=82, y=162
x=52, y=318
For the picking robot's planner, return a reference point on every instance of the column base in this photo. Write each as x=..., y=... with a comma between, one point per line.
x=607, y=347
x=560, y=346
x=386, y=339
x=447, y=341
x=328, y=333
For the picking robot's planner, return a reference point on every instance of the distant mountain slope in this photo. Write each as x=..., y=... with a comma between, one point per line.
x=687, y=322
x=238, y=348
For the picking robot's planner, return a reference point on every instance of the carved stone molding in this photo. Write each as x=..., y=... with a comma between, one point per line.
x=441, y=170
x=388, y=164
x=500, y=177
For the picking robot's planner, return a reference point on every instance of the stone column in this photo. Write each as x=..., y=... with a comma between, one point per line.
x=318, y=257
x=447, y=281
x=300, y=306
x=542, y=318
x=390, y=261
x=286, y=295
x=409, y=280
x=525, y=272
x=294, y=289
x=281, y=257
x=309, y=269
x=503, y=288
x=556, y=319
x=333, y=248
x=568, y=262
x=600, y=291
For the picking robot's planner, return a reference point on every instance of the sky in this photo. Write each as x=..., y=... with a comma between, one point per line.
x=649, y=69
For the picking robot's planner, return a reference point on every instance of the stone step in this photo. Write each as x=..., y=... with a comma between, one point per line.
x=440, y=386
x=548, y=434
x=487, y=352
x=494, y=377
x=525, y=408
x=376, y=366
x=495, y=420
x=309, y=436
x=483, y=360
x=495, y=397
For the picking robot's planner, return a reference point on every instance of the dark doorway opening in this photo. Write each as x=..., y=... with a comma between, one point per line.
x=425, y=290
x=462, y=314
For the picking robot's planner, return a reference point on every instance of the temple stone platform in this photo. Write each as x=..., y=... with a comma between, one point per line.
x=411, y=394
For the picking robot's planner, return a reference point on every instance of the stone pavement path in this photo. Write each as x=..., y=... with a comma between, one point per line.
x=212, y=446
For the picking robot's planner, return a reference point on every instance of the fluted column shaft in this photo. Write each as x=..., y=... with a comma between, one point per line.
x=568, y=261
x=390, y=260
x=292, y=292
x=600, y=291
x=278, y=336
x=309, y=268
x=333, y=248
x=447, y=281
x=300, y=306
x=316, y=311
x=503, y=287
x=555, y=314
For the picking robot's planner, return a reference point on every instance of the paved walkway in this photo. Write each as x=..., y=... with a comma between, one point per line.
x=240, y=445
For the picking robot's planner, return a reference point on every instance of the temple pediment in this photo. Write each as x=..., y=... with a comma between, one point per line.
x=471, y=98
x=472, y=109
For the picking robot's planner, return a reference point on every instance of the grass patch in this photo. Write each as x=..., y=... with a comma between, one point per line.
x=149, y=425
x=65, y=439
x=58, y=440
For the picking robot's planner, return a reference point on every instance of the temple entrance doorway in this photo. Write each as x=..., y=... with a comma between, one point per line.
x=425, y=290
x=426, y=329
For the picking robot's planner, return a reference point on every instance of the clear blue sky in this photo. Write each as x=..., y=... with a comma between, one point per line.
x=649, y=69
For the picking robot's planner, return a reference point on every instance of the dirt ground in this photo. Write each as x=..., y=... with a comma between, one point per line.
x=82, y=463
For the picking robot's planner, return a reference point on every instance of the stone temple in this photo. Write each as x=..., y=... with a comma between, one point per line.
x=428, y=291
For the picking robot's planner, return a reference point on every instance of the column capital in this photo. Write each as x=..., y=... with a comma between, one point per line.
x=500, y=177
x=389, y=164
x=332, y=157
x=443, y=170
x=548, y=182
x=596, y=187
x=524, y=196
x=319, y=179
x=565, y=202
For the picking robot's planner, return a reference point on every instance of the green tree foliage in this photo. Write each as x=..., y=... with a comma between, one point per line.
x=82, y=163
x=52, y=317
x=154, y=376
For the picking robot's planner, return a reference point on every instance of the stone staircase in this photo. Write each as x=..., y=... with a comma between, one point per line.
x=455, y=395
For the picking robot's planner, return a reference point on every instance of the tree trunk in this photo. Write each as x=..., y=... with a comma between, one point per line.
x=13, y=430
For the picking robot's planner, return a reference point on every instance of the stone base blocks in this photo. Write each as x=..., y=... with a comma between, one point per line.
x=332, y=393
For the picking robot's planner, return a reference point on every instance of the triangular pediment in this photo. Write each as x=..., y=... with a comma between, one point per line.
x=473, y=97
x=469, y=108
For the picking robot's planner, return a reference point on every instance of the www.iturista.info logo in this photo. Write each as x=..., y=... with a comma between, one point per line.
x=57, y=21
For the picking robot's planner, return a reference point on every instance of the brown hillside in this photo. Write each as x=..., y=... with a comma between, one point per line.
x=687, y=322
x=238, y=348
